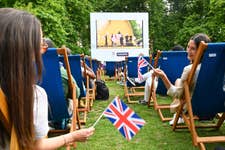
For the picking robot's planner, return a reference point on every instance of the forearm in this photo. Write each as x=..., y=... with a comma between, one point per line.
x=55, y=142
x=59, y=141
x=166, y=82
x=50, y=143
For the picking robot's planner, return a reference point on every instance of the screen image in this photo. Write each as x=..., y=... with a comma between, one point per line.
x=119, y=34
x=114, y=35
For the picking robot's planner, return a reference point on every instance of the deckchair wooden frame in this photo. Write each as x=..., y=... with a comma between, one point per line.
x=158, y=107
x=188, y=116
x=132, y=91
x=72, y=91
x=72, y=88
x=4, y=118
x=91, y=92
x=81, y=110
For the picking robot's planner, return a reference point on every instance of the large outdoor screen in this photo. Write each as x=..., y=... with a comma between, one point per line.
x=117, y=35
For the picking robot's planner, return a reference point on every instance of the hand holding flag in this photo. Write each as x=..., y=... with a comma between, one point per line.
x=142, y=62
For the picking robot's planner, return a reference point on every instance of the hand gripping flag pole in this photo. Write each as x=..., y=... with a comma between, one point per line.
x=142, y=62
x=101, y=115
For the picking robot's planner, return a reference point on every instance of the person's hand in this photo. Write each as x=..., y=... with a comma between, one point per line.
x=158, y=72
x=82, y=135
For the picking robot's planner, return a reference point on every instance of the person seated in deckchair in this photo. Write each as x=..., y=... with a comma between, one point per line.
x=147, y=78
x=89, y=72
x=92, y=77
x=177, y=48
x=64, y=77
x=176, y=91
x=26, y=104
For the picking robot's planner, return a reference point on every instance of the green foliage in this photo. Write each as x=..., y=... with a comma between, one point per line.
x=190, y=28
x=79, y=15
x=65, y=22
x=171, y=22
x=216, y=20
x=156, y=9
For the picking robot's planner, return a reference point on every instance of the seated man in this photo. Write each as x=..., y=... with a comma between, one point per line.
x=147, y=77
x=89, y=72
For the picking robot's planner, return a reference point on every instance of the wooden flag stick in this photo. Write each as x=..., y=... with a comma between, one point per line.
x=98, y=119
x=102, y=113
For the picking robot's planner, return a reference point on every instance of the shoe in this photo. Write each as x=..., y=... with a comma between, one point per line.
x=180, y=120
x=70, y=106
x=121, y=83
x=81, y=104
x=143, y=102
x=131, y=80
x=121, y=74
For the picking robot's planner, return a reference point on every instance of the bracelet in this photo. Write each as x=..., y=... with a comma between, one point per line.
x=64, y=139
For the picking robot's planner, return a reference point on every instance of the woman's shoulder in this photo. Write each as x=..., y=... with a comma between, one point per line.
x=39, y=88
x=188, y=67
x=39, y=91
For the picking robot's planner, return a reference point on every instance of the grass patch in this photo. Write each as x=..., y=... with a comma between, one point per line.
x=155, y=135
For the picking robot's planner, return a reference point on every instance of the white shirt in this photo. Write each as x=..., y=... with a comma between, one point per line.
x=177, y=92
x=40, y=112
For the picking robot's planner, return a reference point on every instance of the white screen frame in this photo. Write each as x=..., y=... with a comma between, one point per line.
x=114, y=54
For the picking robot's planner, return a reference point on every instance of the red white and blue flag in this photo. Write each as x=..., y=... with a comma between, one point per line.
x=142, y=62
x=123, y=118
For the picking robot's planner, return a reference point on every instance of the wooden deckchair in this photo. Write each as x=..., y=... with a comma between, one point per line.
x=208, y=96
x=172, y=63
x=111, y=70
x=75, y=64
x=90, y=91
x=131, y=71
x=5, y=119
x=52, y=83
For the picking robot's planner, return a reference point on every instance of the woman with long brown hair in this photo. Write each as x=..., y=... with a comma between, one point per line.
x=20, y=69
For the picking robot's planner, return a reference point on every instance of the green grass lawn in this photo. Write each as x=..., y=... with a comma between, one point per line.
x=154, y=135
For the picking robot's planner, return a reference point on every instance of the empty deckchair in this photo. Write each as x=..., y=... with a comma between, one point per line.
x=208, y=97
x=52, y=83
x=95, y=66
x=110, y=70
x=75, y=65
x=131, y=71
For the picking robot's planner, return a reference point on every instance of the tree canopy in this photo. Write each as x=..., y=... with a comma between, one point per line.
x=171, y=22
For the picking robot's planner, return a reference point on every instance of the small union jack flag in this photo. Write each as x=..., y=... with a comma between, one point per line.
x=142, y=62
x=123, y=118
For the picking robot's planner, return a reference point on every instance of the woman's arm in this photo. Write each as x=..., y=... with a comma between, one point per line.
x=158, y=72
x=59, y=141
x=41, y=126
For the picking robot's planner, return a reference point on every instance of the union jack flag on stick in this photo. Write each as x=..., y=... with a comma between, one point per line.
x=123, y=118
x=142, y=62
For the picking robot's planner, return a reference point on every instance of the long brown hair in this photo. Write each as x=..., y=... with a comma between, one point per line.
x=20, y=64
